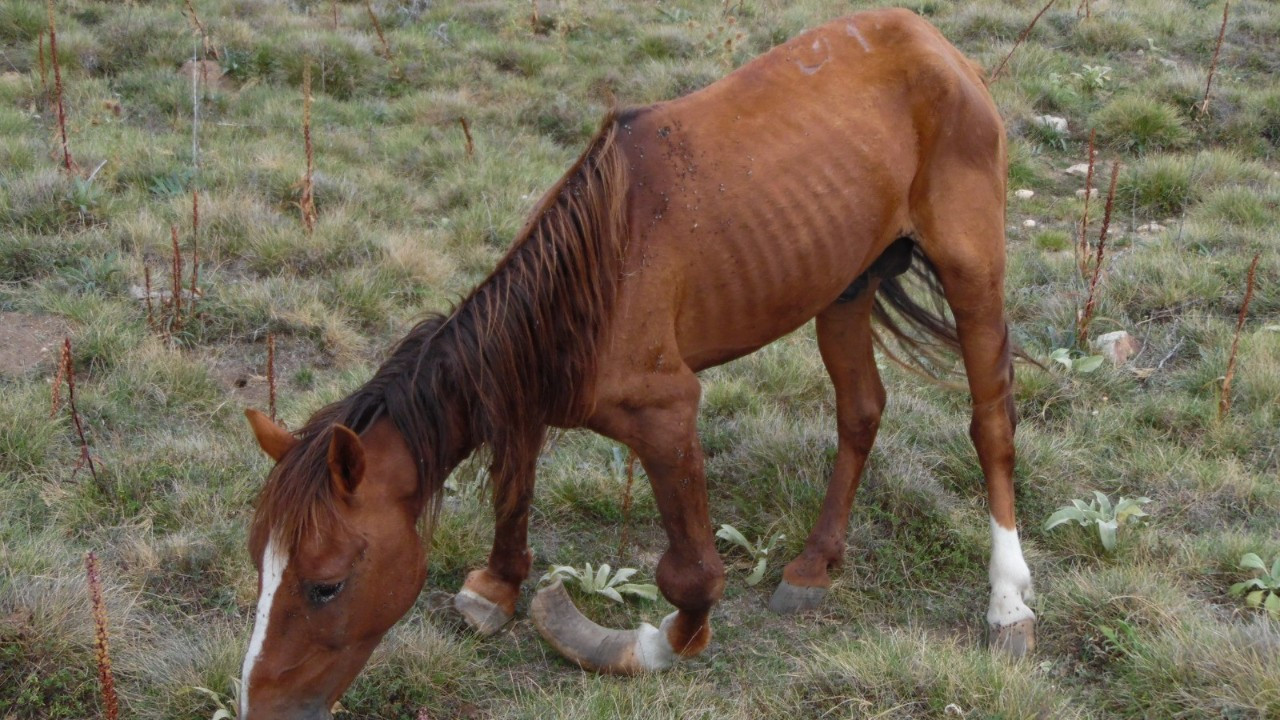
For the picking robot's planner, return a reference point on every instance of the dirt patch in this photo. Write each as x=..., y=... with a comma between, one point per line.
x=29, y=341
x=242, y=369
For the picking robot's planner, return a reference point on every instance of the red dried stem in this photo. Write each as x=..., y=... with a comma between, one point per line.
x=333, y=6
x=195, y=252
x=209, y=49
x=1224, y=400
x=69, y=374
x=1083, y=253
x=307, y=203
x=271, y=375
x=377, y=27
x=101, y=647
x=1083, y=9
x=466, y=130
x=1213, y=65
x=1086, y=317
x=57, y=89
x=1000, y=68
x=533, y=15
x=626, y=504
x=175, y=304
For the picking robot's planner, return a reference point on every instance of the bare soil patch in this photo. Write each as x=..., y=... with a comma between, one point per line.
x=27, y=341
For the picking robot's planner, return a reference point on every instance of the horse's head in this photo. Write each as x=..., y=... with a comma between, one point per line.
x=339, y=561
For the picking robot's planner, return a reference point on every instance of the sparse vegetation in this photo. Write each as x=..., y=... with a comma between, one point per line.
x=408, y=222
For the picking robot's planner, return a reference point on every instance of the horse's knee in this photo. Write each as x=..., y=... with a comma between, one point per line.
x=691, y=583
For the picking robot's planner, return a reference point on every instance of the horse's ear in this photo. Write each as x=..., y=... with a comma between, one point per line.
x=273, y=439
x=346, y=459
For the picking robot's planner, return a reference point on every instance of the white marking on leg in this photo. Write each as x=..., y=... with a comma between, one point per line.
x=1010, y=579
x=273, y=565
x=653, y=649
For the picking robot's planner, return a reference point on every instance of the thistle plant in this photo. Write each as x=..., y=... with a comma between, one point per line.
x=1262, y=591
x=1101, y=513
x=599, y=581
x=758, y=551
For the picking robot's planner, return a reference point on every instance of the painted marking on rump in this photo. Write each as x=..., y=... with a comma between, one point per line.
x=1010, y=578
x=852, y=30
x=273, y=565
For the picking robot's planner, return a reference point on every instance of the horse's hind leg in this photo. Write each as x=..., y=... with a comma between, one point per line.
x=845, y=341
x=960, y=219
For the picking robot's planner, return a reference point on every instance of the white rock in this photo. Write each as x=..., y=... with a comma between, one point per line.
x=1169, y=63
x=1080, y=170
x=1118, y=346
x=1024, y=194
x=1093, y=193
x=1151, y=227
x=1053, y=122
x=1029, y=223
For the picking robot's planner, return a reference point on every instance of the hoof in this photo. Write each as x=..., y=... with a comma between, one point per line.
x=1015, y=640
x=484, y=617
x=789, y=599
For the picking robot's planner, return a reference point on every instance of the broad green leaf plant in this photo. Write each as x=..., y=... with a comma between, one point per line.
x=759, y=550
x=598, y=581
x=1103, y=514
x=1076, y=363
x=1262, y=591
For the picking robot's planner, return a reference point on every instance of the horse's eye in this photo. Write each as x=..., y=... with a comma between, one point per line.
x=321, y=593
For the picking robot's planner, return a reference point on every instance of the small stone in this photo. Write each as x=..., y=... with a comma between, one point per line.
x=1024, y=194
x=1151, y=227
x=1169, y=63
x=1081, y=170
x=1053, y=122
x=1093, y=193
x=952, y=710
x=1029, y=223
x=210, y=72
x=1117, y=346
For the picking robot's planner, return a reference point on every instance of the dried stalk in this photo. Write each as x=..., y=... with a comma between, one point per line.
x=195, y=252
x=1086, y=316
x=623, y=540
x=1224, y=400
x=533, y=15
x=1213, y=66
x=57, y=89
x=377, y=27
x=271, y=375
x=69, y=374
x=333, y=6
x=307, y=203
x=1083, y=252
x=101, y=648
x=466, y=130
x=209, y=49
x=1000, y=68
x=1083, y=9
x=175, y=303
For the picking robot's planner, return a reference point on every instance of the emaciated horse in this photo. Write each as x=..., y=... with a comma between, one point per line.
x=689, y=233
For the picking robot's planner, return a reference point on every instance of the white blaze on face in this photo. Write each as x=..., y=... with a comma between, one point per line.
x=1010, y=578
x=273, y=565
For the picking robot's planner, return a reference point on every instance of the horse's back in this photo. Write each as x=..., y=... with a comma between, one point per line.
x=757, y=200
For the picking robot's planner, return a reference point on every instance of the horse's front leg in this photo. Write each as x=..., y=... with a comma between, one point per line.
x=656, y=415
x=487, y=600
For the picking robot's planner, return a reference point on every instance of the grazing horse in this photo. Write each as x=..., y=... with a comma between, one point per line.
x=689, y=233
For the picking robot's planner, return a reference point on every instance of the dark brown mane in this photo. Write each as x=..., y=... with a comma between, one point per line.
x=519, y=352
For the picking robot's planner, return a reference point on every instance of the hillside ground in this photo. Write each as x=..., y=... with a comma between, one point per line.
x=408, y=221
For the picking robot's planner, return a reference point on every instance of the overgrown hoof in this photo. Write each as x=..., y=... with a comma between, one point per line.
x=1015, y=639
x=485, y=617
x=789, y=599
x=591, y=647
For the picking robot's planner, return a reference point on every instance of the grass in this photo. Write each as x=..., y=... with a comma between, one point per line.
x=407, y=219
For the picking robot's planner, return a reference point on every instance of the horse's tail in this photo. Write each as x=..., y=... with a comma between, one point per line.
x=911, y=306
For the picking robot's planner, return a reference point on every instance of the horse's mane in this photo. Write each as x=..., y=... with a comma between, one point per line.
x=517, y=353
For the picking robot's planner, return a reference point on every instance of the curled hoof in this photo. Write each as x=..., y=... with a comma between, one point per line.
x=485, y=617
x=592, y=647
x=1015, y=639
x=788, y=598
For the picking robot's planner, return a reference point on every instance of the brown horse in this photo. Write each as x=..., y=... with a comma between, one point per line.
x=689, y=233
